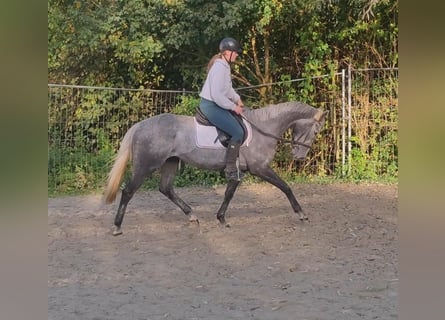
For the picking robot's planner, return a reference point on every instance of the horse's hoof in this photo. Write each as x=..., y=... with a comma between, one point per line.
x=303, y=217
x=194, y=218
x=117, y=231
x=223, y=223
x=222, y=220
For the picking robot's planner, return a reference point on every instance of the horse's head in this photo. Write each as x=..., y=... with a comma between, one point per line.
x=304, y=133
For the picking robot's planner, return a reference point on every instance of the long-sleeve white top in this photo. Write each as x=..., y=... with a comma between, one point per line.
x=218, y=86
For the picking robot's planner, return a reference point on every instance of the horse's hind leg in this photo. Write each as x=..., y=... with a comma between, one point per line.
x=228, y=195
x=168, y=174
x=130, y=188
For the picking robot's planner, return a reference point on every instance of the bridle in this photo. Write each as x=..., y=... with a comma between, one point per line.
x=293, y=143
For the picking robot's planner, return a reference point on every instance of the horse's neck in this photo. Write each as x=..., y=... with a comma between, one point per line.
x=278, y=118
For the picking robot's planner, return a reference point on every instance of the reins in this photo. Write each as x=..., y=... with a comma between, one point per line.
x=267, y=134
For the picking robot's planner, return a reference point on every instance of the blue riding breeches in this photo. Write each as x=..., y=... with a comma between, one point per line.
x=223, y=119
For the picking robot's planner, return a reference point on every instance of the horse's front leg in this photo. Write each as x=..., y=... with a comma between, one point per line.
x=228, y=195
x=270, y=176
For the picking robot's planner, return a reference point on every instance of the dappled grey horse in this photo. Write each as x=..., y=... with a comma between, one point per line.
x=162, y=141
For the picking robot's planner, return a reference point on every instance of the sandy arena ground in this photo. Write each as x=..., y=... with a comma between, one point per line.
x=343, y=264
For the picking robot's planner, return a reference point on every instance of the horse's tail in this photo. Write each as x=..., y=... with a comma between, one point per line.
x=120, y=164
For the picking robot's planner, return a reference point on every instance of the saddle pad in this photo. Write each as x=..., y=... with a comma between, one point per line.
x=206, y=136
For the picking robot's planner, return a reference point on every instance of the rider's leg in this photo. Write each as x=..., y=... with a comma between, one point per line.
x=224, y=120
x=232, y=171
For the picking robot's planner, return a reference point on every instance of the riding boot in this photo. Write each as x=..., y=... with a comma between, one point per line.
x=232, y=166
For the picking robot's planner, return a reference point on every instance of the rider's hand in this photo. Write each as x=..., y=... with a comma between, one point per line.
x=238, y=109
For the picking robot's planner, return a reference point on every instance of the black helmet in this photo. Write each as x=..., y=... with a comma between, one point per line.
x=230, y=44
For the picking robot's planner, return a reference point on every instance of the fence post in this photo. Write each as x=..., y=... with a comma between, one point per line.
x=349, y=118
x=343, y=121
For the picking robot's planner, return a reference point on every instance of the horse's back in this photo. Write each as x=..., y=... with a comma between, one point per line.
x=166, y=122
x=165, y=129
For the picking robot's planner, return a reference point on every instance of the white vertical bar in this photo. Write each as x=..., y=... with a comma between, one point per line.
x=343, y=121
x=349, y=117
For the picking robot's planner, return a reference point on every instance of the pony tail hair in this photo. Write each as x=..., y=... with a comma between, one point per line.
x=117, y=172
x=212, y=61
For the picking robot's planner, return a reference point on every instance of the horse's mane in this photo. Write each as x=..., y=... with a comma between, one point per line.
x=270, y=111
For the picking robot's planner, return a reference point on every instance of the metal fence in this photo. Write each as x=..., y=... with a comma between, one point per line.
x=371, y=121
x=86, y=124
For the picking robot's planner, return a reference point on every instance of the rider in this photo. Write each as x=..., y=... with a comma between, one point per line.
x=219, y=100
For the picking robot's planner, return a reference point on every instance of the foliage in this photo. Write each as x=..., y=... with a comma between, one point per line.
x=187, y=106
x=102, y=43
x=167, y=44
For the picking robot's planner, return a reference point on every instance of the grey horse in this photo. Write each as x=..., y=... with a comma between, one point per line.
x=160, y=142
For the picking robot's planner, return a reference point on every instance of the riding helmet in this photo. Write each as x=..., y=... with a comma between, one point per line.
x=230, y=44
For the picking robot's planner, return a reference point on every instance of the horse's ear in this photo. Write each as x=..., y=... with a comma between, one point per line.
x=325, y=114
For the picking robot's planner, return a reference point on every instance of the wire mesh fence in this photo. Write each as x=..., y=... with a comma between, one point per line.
x=372, y=123
x=86, y=125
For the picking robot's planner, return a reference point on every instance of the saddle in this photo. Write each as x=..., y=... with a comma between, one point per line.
x=222, y=136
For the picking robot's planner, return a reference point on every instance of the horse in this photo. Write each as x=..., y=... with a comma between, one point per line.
x=162, y=141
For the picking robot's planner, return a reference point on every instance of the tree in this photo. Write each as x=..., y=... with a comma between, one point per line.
x=102, y=43
x=167, y=44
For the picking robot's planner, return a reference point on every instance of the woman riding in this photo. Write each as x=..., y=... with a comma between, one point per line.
x=219, y=101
